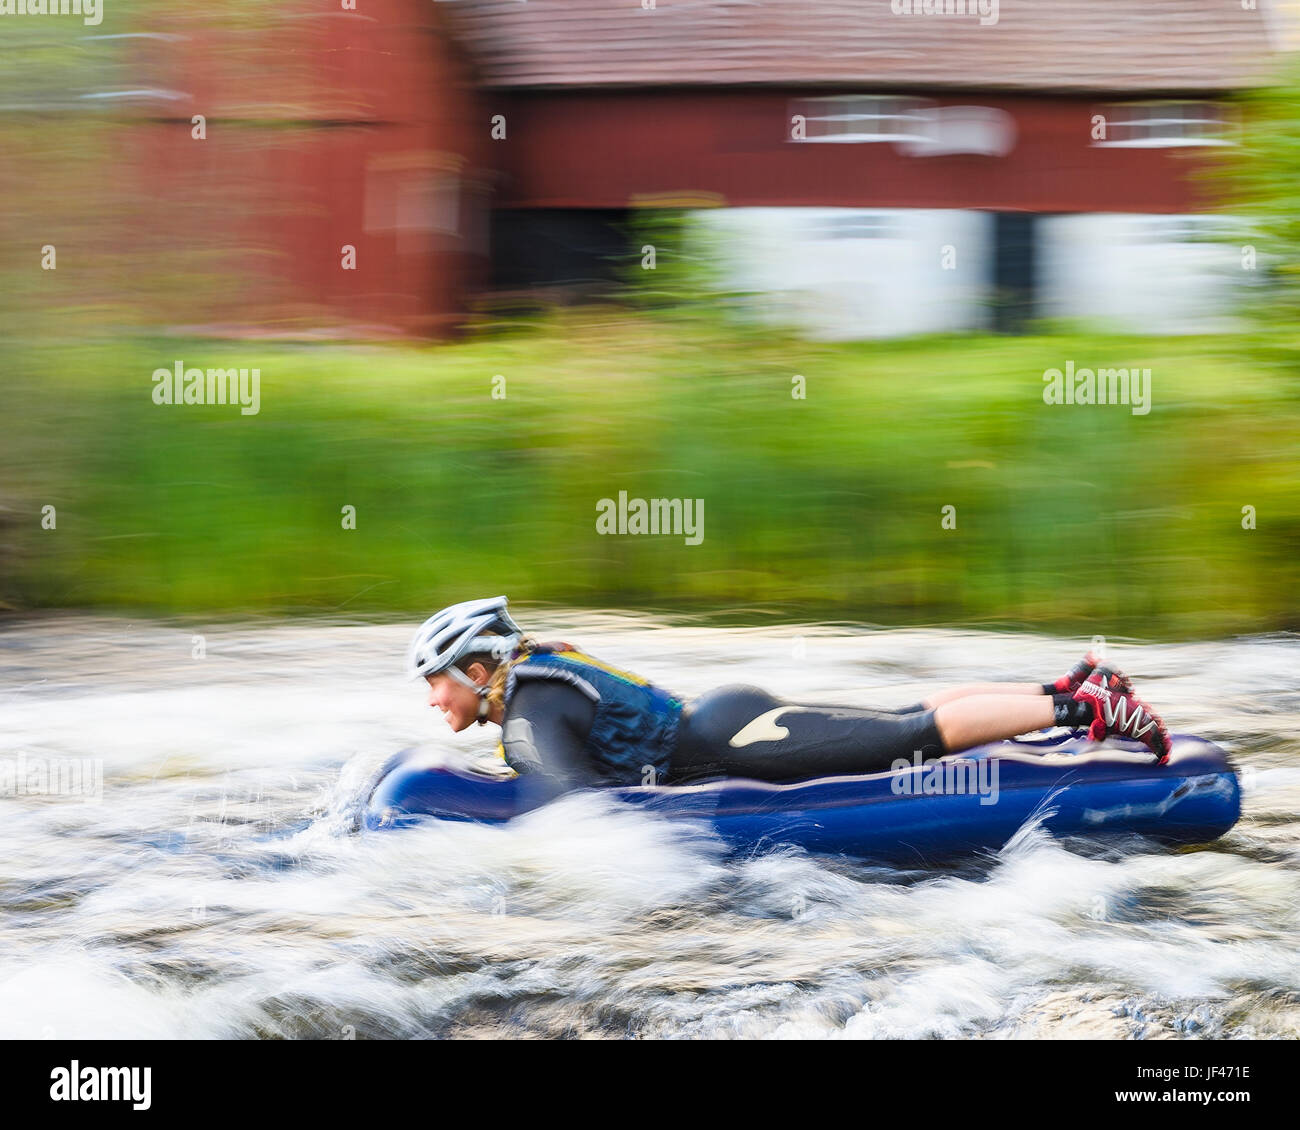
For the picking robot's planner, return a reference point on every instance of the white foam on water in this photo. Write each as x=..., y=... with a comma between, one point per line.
x=216, y=890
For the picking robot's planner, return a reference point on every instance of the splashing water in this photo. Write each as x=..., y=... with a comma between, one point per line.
x=217, y=888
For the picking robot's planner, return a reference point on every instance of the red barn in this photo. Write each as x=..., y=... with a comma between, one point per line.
x=472, y=143
x=325, y=129
x=1047, y=147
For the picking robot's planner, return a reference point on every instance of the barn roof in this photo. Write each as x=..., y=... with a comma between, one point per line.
x=1059, y=45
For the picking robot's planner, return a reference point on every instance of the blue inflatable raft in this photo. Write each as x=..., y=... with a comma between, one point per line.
x=940, y=809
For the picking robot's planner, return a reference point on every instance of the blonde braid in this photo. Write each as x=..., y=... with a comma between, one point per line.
x=496, y=695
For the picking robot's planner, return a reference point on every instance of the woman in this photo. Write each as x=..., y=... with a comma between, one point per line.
x=570, y=721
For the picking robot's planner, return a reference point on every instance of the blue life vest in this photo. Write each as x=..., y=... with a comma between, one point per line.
x=635, y=729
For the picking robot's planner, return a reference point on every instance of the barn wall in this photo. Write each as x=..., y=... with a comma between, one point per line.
x=603, y=149
x=851, y=274
x=323, y=129
x=1146, y=274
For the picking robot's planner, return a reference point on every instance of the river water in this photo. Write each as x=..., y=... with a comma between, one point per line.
x=215, y=886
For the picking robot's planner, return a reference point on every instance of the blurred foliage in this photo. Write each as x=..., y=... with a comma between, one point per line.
x=1070, y=517
x=1067, y=517
x=673, y=264
x=1257, y=178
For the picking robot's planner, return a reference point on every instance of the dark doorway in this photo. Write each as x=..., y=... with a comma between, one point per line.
x=1014, y=276
x=579, y=251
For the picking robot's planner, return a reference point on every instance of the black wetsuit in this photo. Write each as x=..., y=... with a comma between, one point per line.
x=735, y=731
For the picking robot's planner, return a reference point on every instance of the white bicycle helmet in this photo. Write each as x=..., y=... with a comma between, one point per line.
x=473, y=627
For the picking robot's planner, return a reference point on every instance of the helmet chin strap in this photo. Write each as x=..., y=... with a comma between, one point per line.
x=482, y=692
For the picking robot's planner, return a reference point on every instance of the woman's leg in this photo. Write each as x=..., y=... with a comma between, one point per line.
x=972, y=689
x=747, y=732
x=984, y=717
x=1066, y=684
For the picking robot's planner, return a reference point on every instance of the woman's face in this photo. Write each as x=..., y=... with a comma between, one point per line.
x=459, y=704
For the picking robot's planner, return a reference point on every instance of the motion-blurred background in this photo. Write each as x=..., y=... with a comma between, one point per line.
x=495, y=261
x=823, y=270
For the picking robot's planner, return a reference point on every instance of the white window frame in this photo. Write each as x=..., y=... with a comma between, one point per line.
x=859, y=223
x=1165, y=112
x=1193, y=227
x=865, y=109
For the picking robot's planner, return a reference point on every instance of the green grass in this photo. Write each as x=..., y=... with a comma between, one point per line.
x=1069, y=518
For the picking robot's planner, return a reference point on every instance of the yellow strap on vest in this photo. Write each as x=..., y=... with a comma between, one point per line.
x=583, y=657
